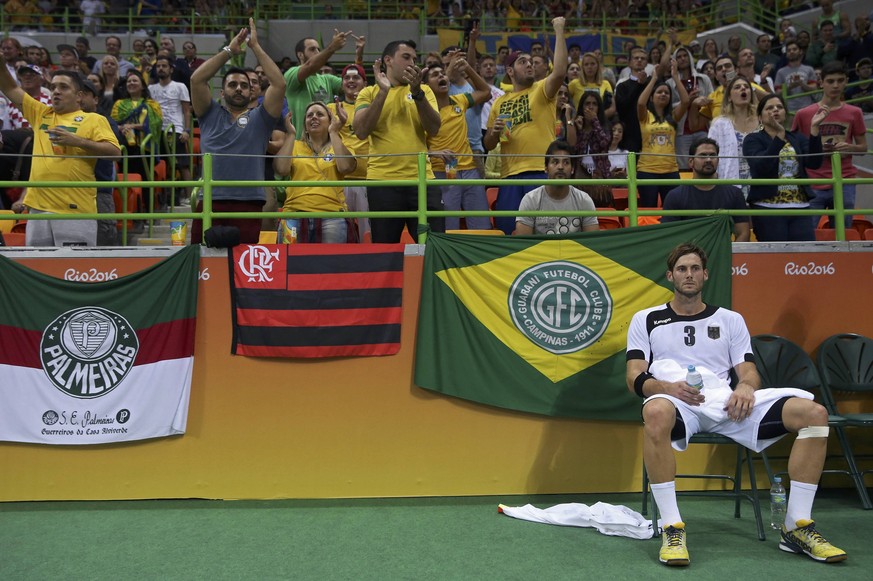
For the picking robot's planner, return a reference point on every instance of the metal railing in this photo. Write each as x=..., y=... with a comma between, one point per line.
x=633, y=212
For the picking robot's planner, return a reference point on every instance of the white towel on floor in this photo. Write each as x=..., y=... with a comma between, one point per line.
x=609, y=519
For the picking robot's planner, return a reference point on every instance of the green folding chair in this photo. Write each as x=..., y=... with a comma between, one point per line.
x=845, y=362
x=744, y=457
x=783, y=363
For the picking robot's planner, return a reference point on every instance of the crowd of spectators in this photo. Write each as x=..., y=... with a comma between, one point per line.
x=101, y=16
x=655, y=102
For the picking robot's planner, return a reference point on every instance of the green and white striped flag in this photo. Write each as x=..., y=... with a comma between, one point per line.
x=92, y=363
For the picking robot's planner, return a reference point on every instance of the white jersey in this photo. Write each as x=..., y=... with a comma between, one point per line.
x=716, y=338
x=170, y=98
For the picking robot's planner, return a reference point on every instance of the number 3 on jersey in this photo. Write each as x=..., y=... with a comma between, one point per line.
x=689, y=336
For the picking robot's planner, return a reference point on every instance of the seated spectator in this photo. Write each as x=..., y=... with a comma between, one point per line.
x=559, y=166
x=704, y=162
x=775, y=153
x=320, y=155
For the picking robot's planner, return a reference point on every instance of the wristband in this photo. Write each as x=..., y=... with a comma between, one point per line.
x=417, y=96
x=227, y=50
x=641, y=379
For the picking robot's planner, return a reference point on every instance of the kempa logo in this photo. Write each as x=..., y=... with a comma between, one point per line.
x=256, y=262
x=87, y=352
x=560, y=306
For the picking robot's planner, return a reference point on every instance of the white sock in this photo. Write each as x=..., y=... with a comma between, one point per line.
x=800, y=497
x=665, y=498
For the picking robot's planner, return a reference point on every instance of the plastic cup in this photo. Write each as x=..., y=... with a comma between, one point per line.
x=507, y=128
x=288, y=233
x=178, y=233
x=452, y=169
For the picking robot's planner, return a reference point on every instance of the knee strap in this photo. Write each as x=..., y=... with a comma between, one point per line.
x=813, y=432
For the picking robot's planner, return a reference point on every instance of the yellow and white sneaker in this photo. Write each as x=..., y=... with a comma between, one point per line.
x=674, y=552
x=805, y=539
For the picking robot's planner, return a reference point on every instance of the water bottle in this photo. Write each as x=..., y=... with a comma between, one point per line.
x=693, y=377
x=778, y=502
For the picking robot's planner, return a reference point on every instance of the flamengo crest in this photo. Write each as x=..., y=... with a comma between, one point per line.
x=256, y=262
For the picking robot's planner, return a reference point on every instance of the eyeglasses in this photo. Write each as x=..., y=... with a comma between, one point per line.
x=727, y=67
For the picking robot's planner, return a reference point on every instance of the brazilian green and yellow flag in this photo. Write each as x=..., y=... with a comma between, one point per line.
x=539, y=324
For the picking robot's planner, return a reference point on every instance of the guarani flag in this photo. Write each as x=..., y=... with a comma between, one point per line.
x=316, y=300
x=94, y=363
x=539, y=324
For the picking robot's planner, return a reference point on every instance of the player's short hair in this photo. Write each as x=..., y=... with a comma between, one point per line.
x=682, y=250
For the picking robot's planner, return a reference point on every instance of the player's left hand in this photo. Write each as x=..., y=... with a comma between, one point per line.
x=741, y=403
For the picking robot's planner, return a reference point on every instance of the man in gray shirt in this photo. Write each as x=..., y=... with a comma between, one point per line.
x=559, y=166
x=799, y=77
x=237, y=135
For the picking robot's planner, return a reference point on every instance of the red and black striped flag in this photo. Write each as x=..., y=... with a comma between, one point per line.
x=316, y=300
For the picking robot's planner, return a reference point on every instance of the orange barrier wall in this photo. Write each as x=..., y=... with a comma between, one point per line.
x=262, y=428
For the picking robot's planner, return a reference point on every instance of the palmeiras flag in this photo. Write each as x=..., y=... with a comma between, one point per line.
x=316, y=300
x=93, y=363
x=539, y=324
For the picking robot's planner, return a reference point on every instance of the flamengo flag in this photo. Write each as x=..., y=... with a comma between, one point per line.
x=94, y=363
x=316, y=300
x=539, y=324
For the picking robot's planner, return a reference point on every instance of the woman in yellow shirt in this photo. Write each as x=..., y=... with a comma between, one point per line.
x=319, y=156
x=658, y=119
x=591, y=79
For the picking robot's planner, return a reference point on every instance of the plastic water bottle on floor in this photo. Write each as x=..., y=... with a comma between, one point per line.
x=778, y=502
x=693, y=377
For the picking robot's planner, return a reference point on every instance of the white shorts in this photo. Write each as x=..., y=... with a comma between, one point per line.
x=744, y=432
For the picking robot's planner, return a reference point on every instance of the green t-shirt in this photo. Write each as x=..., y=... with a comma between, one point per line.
x=317, y=87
